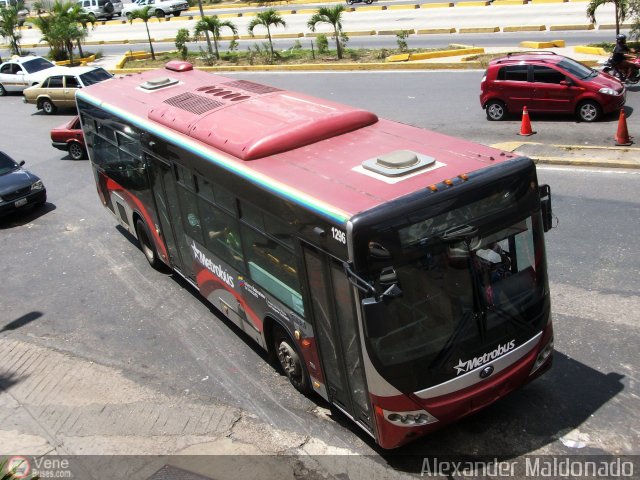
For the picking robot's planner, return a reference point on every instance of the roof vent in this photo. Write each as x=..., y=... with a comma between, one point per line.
x=193, y=103
x=252, y=87
x=156, y=83
x=400, y=162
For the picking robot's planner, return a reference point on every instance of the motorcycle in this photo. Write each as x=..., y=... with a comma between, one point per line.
x=351, y=2
x=612, y=70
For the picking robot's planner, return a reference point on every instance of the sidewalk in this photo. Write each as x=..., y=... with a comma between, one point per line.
x=107, y=426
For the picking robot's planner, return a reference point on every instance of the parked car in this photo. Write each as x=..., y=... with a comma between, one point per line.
x=160, y=8
x=547, y=82
x=59, y=91
x=23, y=13
x=19, y=188
x=22, y=72
x=69, y=138
x=101, y=8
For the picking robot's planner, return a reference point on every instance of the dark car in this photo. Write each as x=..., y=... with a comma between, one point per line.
x=547, y=82
x=19, y=188
x=69, y=138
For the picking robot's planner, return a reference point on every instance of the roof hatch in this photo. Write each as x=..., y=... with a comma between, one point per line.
x=400, y=162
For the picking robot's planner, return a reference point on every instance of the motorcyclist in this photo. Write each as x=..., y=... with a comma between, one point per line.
x=621, y=57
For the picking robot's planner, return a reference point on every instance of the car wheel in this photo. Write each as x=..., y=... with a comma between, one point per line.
x=159, y=13
x=76, y=151
x=177, y=14
x=589, y=111
x=3, y=92
x=108, y=7
x=496, y=110
x=128, y=15
x=91, y=17
x=147, y=246
x=291, y=361
x=48, y=107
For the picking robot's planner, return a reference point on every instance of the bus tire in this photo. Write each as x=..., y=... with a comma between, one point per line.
x=290, y=360
x=147, y=246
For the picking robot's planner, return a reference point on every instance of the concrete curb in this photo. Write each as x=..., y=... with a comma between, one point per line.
x=575, y=155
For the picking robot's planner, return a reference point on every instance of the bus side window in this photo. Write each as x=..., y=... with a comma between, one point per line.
x=190, y=214
x=272, y=266
x=221, y=235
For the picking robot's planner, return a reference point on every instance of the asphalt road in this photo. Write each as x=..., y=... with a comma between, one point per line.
x=90, y=292
x=448, y=102
x=508, y=39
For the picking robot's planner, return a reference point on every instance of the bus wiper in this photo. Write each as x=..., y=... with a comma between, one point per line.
x=459, y=234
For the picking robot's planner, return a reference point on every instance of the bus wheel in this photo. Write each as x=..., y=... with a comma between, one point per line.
x=147, y=246
x=291, y=361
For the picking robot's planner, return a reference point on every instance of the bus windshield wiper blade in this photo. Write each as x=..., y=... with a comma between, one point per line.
x=459, y=233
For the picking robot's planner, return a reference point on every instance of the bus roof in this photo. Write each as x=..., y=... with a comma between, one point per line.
x=335, y=159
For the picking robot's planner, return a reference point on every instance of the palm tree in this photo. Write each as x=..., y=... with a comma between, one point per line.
x=9, y=26
x=332, y=16
x=621, y=8
x=145, y=15
x=267, y=19
x=65, y=25
x=79, y=16
x=213, y=24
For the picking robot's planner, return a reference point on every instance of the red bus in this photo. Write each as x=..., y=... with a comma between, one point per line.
x=397, y=272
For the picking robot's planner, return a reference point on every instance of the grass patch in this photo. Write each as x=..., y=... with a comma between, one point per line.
x=261, y=55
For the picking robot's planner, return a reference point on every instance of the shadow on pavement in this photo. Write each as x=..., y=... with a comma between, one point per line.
x=22, y=217
x=21, y=322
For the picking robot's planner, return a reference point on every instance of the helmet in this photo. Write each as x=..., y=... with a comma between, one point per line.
x=621, y=38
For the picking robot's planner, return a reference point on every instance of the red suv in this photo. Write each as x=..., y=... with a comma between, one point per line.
x=547, y=82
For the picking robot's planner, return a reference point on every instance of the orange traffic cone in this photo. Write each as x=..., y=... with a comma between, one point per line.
x=622, y=135
x=525, y=128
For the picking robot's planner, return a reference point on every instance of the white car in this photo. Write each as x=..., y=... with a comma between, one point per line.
x=22, y=72
x=159, y=8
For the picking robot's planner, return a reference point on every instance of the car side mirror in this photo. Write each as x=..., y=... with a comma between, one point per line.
x=22, y=163
x=545, y=206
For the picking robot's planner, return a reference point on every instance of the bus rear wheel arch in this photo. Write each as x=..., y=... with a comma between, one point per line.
x=290, y=360
x=147, y=245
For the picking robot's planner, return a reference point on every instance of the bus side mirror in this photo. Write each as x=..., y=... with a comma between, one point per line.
x=545, y=206
x=374, y=318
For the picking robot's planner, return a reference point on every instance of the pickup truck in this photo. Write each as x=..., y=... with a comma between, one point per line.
x=159, y=8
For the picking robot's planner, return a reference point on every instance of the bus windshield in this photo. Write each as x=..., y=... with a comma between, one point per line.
x=471, y=279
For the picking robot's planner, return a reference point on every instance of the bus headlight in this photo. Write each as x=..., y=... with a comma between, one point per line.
x=414, y=418
x=543, y=356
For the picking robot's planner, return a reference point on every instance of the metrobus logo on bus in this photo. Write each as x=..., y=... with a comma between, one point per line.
x=468, y=365
x=218, y=270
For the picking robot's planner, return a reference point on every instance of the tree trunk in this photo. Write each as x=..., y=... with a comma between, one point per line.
x=270, y=42
x=153, y=54
x=80, y=52
x=206, y=32
x=215, y=44
x=338, y=44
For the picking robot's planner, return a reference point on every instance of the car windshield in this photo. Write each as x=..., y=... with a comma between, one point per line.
x=577, y=69
x=471, y=277
x=36, y=65
x=6, y=164
x=95, y=76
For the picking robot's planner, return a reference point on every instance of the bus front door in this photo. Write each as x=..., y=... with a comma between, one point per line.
x=336, y=330
x=166, y=198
